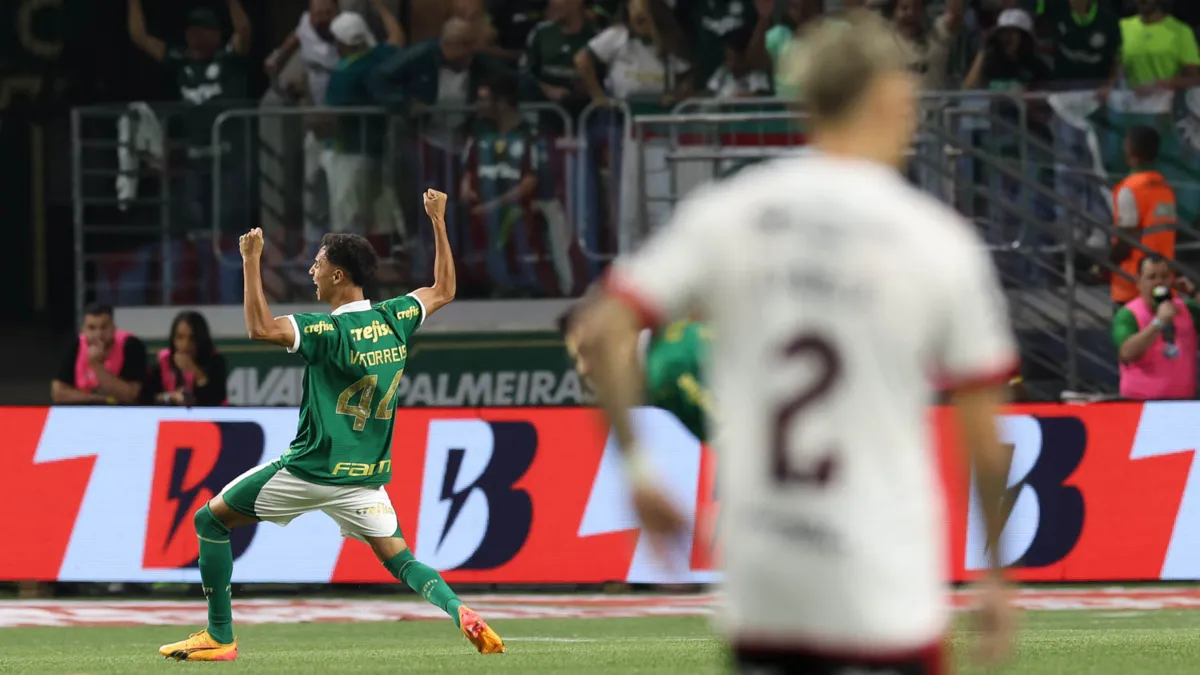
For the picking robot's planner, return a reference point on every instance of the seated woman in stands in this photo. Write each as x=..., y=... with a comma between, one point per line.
x=189, y=371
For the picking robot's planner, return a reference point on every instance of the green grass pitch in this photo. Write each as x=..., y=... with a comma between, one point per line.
x=1162, y=642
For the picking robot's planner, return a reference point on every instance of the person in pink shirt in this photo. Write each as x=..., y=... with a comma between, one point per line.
x=1155, y=336
x=190, y=371
x=102, y=364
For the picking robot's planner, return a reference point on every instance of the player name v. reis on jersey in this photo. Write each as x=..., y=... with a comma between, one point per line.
x=355, y=357
x=836, y=294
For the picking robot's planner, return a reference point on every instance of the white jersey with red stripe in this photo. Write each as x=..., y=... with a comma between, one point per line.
x=836, y=294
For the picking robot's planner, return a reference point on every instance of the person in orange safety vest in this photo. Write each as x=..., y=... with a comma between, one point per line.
x=1144, y=209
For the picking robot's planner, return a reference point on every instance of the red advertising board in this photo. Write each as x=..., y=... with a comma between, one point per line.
x=521, y=495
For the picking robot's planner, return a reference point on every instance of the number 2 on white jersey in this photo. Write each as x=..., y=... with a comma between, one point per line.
x=818, y=471
x=361, y=411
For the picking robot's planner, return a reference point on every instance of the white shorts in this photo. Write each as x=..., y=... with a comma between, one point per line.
x=269, y=492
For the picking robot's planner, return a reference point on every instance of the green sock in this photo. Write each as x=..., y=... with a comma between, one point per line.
x=425, y=581
x=216, y=569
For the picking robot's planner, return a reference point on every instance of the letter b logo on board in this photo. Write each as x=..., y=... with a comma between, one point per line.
x=472, y=516
x=1045, y=517
x=193, y=461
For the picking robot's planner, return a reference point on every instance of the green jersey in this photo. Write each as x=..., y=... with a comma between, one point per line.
x=357, y=134
x=355, y=358
x=674, y=380
x=209, y=88
x=712, y=23
x=1153, y=52
x=1085, y=45
x=550, y=53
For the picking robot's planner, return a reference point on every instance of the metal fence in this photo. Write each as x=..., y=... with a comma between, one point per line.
x=156, y=221
x=1033, y=171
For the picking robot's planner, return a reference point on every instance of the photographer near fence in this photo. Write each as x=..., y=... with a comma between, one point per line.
x=1155, y=336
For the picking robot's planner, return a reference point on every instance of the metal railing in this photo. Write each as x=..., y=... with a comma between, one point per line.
x=998, y=159
x=249, y=177
x=1034, y=172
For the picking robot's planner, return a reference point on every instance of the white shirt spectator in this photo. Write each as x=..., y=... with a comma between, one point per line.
x=320, y=58
x=452, y=93
x=635, y=67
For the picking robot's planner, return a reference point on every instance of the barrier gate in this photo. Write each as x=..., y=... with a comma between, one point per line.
x=158, y=205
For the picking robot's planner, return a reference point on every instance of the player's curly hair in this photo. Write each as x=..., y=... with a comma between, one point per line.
x=353, y=254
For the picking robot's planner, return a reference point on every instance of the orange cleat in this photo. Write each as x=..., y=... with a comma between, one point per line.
x=479, y=633
x=202, y=647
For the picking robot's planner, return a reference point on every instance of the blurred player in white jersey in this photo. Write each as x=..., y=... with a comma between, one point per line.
x=837, y=295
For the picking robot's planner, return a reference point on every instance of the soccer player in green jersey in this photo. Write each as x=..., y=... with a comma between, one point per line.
x=341, y=457
x=671, y=370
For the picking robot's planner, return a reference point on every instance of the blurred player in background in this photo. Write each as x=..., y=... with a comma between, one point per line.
x=826, y=342
x=670, y=358
x=341, y=458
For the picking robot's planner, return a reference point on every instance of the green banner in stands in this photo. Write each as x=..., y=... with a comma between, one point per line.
x=444, y=369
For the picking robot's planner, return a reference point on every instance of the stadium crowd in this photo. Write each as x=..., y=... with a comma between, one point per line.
x=481, y=97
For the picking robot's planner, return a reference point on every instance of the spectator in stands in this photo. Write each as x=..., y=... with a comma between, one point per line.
x=357, y=141
x=102, y=364
x=737, y=77
x=713, y=22
x=446, y=72
x=317, y=49
x=549, y=60
x=1085, y=40
x=1155, y=336
x=640, y=62
x=503, y=172
x=1144, y=210
x=189, y=371
x=928, y=44
x=211, y=78
x=1158, y=51
x=1007, y=60
x=319, y=57
x=780, y=37
x=513, y=21
x=206, y=73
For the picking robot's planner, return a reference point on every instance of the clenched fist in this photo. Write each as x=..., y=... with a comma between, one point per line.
x=435, y=205
x=251, y=244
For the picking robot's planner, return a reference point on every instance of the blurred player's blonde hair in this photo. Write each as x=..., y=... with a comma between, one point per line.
x=835, y=60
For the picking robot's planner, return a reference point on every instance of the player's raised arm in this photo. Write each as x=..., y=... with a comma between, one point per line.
x=260, y=324
x=442, y=291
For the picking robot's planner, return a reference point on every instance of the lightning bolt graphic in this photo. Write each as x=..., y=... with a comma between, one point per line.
x=183, y=498
x=457, y=499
